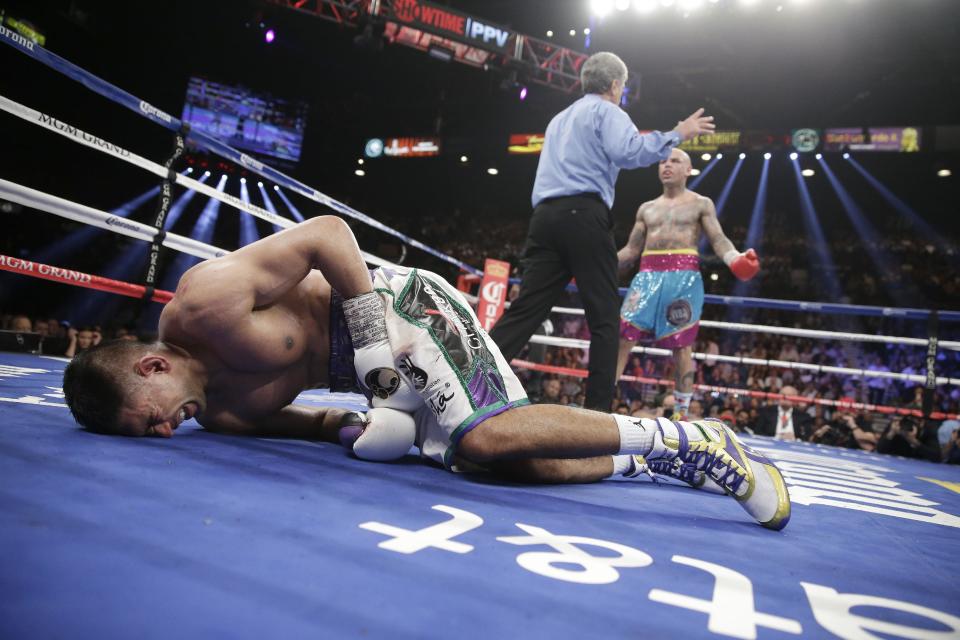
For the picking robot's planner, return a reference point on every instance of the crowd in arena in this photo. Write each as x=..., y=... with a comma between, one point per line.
x=917, y=273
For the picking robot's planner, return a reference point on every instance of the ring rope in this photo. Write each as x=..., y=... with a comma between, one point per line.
x=88, y=215
x=201, y=139
x=787, y=331
x=80, y=279
x=557, y=341
x=768, y=395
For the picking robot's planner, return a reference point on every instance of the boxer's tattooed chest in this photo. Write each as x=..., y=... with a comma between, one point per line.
x=672, y=226
x=289, y=343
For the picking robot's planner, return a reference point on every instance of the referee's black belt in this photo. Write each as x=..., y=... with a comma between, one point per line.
x=588, y=195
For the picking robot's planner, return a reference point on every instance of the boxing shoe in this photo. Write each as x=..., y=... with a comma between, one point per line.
x=676, y=468
x=711, y=447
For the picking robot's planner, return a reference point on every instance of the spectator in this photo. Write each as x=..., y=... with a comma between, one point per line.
x=904, y=437
x=784, y=421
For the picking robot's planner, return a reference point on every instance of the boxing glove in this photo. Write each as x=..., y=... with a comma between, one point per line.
x=743, y=265
x=380, y=435
x=372, y=356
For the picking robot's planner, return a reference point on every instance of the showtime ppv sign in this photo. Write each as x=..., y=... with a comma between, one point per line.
x=493, y=292
x=451, y=24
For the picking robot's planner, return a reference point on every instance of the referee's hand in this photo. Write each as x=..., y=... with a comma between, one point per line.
x=696, y=124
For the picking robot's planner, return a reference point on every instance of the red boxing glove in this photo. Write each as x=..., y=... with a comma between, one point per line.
x=743, y=265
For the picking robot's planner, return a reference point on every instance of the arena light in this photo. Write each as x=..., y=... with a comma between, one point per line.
x=360, y=161
x=206, y=174
x=189, y=170
x=846, y=156
x=793, y=155
x=700, y=175
x=767, y=156
x=754, y=236
x=269, y=36
x=523, y=93
x=714, y=277
x=464, y=158
x=816, y=241
x=807, y=173
x=493, y=171
x=719, y=156
x=742, y=156
x=586, y=31
x=268, y=205
x=573, y=32
x=705, y=157
x=905, y=210
x=865, y=229
x=944, y=173
x=694, y=172
x=248, y=226
x=292, y=207
x=601, y=7
x=259, y=184
x=549, y=33
x=360, y=172
x=819, y=156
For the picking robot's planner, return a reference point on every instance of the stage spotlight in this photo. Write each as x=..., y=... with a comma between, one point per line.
x=767, y=156
x=601, y=7
x=794, y=156
x=259, y=184
x=944, y=173
x=742, y=156
x=586, y=31
x=523, y=93
x=269, y=36
x=206, y=174
x=243, y=181
x=359, y=160
x=819, y=156
x=806, y=173
x=694, y=172
x=189, y=170
x=464, y=158
x=276, y=188
x=549, y=33
x=705, y=157
x=360, y=172
x=714, y=277
x=846, y=156
x=492, y=171
x=573, y=32
x=719, y=156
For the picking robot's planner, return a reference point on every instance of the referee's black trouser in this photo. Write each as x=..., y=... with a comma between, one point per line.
x=570, y=237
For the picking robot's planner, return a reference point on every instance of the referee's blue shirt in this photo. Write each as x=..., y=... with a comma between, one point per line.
x=588, y=143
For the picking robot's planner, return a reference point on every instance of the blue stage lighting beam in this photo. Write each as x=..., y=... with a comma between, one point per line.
x=820, y=252
x=293, y=208
x=248, y=226
x=724, y=196
x=754, y=236
x=929, y=233
x=703, y=174
x=881, y=259
x=268, y=205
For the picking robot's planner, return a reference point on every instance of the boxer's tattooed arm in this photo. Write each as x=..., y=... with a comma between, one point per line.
x=711, y=227
x=629, y=255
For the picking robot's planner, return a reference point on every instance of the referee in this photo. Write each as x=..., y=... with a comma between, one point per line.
x=571, y=230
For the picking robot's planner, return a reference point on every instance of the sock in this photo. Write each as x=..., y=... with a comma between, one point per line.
x=636, y=434
x=621, y=464
x=683, y=402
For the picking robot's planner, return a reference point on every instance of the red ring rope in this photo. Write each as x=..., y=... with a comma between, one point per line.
x=79, y=279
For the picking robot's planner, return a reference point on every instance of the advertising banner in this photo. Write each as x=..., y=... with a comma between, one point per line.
x=493, y=292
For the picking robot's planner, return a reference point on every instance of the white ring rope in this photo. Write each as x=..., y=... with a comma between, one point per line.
x=52, y=124
x=557, y=341
x=94, y=217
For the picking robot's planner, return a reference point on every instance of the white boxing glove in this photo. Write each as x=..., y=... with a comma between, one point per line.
x=372, y=356
x=380, y=435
